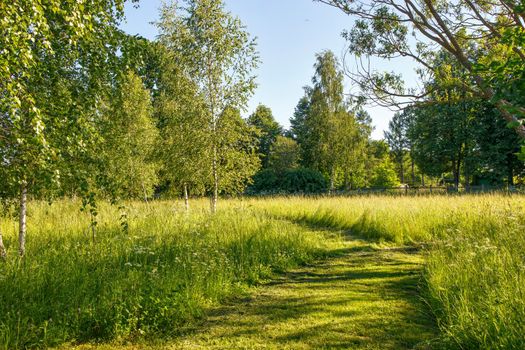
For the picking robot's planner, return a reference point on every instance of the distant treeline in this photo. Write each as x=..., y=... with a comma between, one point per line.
x=89, y=111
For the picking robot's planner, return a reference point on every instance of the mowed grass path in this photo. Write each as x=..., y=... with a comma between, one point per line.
x=363, y=297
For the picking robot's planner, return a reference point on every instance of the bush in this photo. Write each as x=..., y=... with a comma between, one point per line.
x=303, y=180
x=299, y=180
x=265, y=180
x=385, y=176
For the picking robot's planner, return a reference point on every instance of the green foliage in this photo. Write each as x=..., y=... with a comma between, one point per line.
x=152, y=281
x=269, y=131
x=58, y=64
x=298, y=121
x=397, y=139
x=284, y=154
x=384, y=175
x=265, y=181
x=300, y=180
x=488, y=48
x=53, y=71
x=236, y=154
x=331, y=137
x=215, y=53
x=465, y=137
x=303, y=180
x=184, y=150
x=130, y=138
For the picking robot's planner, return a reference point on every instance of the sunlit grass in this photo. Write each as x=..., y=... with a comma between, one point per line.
x=475, y=270
x=154, y=279
x=158, y=277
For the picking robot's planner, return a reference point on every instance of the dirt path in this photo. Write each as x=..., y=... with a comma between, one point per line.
x=365, y=298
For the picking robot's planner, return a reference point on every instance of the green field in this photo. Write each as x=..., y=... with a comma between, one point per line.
x=298, y=273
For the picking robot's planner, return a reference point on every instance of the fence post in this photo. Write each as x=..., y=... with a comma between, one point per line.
x=430, y=188
x=406, y=189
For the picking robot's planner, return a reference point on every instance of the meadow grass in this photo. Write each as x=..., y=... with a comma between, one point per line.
x=153, y=279
x=159, y=276
x=475, y=261
x=363, y=297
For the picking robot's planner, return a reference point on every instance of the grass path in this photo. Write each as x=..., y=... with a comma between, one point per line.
x=364, y=297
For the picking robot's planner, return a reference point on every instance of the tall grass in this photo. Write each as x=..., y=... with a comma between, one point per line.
x=153, y=279
x=384, y=218
x=476, y=279
x=159, y=275
x=475, y=271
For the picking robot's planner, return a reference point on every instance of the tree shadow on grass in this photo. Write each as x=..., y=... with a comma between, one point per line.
x=364, y=228
x=362, y=297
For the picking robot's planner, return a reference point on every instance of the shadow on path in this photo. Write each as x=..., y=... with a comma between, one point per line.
x=365, y=297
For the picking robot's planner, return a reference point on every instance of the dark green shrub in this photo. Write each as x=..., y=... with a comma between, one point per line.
x=299, y=180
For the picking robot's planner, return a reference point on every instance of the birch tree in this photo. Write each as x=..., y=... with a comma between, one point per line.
x=184, y=141
x=53, y=71
x=215, y=52
x=130, y=137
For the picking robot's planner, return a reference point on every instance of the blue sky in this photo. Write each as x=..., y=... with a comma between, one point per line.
x=289, y=34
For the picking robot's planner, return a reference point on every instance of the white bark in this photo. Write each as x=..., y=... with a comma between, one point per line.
x=22, y=220
x=3, y=251
x=186, y=198
x=215, y=182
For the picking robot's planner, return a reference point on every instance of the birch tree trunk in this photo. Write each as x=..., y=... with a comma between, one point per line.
x=186, y=198
x=215, y=182
x=22, y=219
x=3, y=251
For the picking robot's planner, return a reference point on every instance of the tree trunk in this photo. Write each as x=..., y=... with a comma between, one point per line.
x=215, y=181
x=3, y=251
x=331, y=190
x=186, y=198
x=458, y=168
x=422, y=180
x=22, y=219
x=93, y=227
x=413, y=173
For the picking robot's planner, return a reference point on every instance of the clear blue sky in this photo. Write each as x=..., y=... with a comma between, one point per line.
x=289, y=34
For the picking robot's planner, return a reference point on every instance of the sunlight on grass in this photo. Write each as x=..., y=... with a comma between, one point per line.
x=365, y=300
x=150, y=281
x=168, y=279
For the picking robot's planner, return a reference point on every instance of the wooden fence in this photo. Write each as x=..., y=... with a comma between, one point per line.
x=430, y=190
